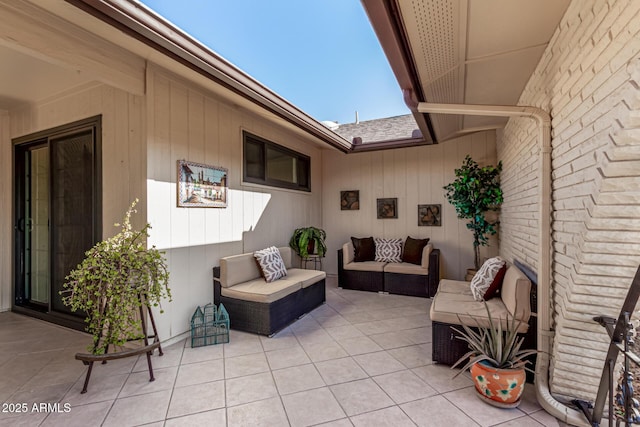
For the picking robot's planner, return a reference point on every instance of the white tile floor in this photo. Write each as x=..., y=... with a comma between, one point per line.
x=362, y=359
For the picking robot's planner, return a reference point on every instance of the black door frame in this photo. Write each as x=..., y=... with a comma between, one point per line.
x=19, y=146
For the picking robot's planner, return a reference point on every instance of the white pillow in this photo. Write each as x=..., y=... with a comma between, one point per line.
x=485, y=276
x=388, y=250
x=271, y=263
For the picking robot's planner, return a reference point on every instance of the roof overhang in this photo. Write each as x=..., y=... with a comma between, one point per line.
x=140, y=22
x=359, y=146
x=387, y=24
x=140, y=35
x=463, y=52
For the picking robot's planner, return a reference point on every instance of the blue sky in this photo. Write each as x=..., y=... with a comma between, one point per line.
x=321, y=55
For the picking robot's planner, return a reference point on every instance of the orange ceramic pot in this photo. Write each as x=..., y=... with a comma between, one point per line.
x=498, y=387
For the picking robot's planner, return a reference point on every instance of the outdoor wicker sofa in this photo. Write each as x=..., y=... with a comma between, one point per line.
x=400, y=278
x=265, y=308
x=454, y=303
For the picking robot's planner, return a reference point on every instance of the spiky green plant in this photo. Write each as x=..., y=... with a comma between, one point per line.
x=499, y=348
x=302, y=236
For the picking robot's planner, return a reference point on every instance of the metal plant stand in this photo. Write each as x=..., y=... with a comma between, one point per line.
x=89, y=359
x=621, y=333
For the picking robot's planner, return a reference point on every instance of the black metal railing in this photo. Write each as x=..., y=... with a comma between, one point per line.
x=621, y=332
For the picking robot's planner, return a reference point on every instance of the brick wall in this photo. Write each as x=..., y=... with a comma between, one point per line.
x=588, y=79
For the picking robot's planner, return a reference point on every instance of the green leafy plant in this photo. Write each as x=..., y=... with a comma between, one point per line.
x=475, y=191
x=302, y=236
x=499, y=348
x=116, y=278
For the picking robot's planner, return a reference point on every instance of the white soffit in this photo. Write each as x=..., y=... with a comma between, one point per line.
x=476, y=52
x=33, y=73
x=25, y=79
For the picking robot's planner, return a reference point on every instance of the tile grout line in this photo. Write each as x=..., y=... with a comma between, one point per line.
x=175, y=380
x=375, y=382
x=317, y=326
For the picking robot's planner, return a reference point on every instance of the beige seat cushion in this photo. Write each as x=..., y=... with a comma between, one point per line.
x=258, y=290
x=454, y=298
x=242, y=268
x=348, y=253
x=516, y=291
x=455, y=287
x=286, y=253
x=365, y=266
x=456, y=308
x=238, y=269
x=425, y=255
x=305, y=277
x=405, y=268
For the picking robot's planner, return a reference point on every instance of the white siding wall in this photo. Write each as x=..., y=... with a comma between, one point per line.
x=588, y=79
x=186, y=123
x=415, y=176
x=123, y=165
x=32, y=30
x=123, y=157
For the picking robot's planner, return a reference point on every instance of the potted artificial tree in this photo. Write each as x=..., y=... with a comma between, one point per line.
x=497, y=360
x=118, y=278
x=308, y=241
x=476, y=191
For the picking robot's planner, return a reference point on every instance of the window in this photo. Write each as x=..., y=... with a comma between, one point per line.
x=271, y=164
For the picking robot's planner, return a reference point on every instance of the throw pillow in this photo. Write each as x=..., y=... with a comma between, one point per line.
x=388, y=250
x=413, y=250
x=271, y=263
x=485, y=276
x=364, y=249
x=495, y=286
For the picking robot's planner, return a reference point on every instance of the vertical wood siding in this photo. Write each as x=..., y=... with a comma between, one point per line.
x=184, y=122
x=415, y=176
x=123, y=157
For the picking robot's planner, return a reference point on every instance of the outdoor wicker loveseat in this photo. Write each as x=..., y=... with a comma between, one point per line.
x=418, y=278
x=454, y=303
x=254, y=305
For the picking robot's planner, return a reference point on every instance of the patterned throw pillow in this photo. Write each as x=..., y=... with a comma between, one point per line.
x=495, y=286
x=271, y=263
x=483, y=279
x=388, y=250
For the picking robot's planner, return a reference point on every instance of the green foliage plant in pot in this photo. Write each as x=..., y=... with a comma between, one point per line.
x=305, y=241
x=496, y=358
x=476, y=191
x=117, y=277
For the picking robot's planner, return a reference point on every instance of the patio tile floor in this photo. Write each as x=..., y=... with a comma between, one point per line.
x=362, y=359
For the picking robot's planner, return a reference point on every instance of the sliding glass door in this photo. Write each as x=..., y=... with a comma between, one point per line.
x=57, y=215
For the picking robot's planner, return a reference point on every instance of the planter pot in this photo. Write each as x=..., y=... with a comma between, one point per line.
x=498, y=387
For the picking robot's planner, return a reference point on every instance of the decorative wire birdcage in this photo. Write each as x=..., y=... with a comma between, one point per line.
x=209, y=325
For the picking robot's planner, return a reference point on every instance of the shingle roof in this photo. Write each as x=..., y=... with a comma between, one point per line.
x=387, y=129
